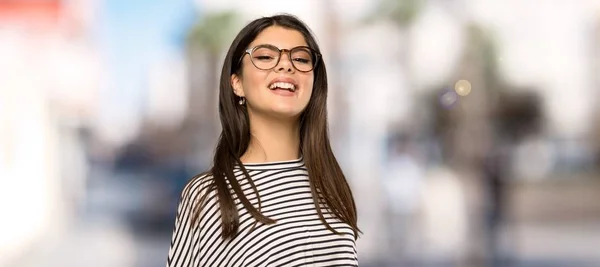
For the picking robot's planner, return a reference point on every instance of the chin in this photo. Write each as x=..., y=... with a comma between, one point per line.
x=286, y=112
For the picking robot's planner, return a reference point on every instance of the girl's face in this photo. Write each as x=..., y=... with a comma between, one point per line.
x=284, y=90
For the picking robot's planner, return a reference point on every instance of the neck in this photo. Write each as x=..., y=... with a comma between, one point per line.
x=272, y=140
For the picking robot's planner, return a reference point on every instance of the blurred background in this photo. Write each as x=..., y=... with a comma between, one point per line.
x=469, y=130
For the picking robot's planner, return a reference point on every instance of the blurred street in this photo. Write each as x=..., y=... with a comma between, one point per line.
x=99, y=236
x=533, y=237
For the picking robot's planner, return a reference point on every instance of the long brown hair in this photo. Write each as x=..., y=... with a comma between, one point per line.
x=330, y=190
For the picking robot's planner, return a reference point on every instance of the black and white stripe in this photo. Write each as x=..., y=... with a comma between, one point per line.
x=299, y=238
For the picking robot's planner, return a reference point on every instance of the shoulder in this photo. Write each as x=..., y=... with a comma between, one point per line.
x=196, y=187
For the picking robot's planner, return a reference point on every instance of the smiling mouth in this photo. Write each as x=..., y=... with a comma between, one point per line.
x=283, y=86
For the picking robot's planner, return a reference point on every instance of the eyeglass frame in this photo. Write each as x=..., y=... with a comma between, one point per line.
x=249, y=51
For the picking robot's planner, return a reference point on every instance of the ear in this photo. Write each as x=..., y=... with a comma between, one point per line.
x=236, y=83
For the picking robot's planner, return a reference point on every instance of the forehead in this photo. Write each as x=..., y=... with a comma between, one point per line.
x=280, y=37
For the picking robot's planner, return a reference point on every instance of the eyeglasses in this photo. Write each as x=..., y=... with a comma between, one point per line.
x=266, y=57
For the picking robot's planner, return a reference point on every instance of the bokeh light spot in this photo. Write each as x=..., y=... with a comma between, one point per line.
x=462, y=87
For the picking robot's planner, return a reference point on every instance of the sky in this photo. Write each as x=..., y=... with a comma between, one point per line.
x=132, y=35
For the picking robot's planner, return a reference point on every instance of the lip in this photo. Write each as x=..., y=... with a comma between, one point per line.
x=283, y=92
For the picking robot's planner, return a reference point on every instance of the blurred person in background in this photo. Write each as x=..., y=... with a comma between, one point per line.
x=516, y=117
x=275, y=194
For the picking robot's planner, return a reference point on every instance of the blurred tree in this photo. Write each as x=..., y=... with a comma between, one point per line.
x=460, y=124
x=401, y=14
x=206, y=44
x=463, y=121
x=477, y=130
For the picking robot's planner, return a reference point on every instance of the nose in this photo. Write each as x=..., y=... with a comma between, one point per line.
x=285, y=63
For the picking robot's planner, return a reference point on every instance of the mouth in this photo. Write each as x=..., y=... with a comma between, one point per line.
x=283, y=85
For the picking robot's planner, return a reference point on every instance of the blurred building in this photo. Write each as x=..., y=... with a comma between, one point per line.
x=48, y=90
x=29, y=178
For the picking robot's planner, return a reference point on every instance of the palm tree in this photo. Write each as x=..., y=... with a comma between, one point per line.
x=401, y=13
x=478, y=132
x=206, y=42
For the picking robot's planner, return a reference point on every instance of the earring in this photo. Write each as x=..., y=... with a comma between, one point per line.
x=242, y=101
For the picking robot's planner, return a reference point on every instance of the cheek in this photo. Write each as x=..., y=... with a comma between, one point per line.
x=310, y=86
x=253, y=82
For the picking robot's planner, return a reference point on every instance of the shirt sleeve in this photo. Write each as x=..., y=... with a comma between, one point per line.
x=181, y=248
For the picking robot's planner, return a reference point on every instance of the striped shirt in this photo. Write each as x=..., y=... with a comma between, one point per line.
x=299, y=238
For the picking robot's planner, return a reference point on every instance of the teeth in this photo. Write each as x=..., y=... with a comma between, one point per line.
x=283, y=85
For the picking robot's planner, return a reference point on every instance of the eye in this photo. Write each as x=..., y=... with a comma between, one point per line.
x=264, y=58
x=303, y=56
x=265, y=54
x=302, y=60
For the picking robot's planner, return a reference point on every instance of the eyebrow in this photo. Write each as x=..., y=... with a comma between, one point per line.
x=255, y=45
